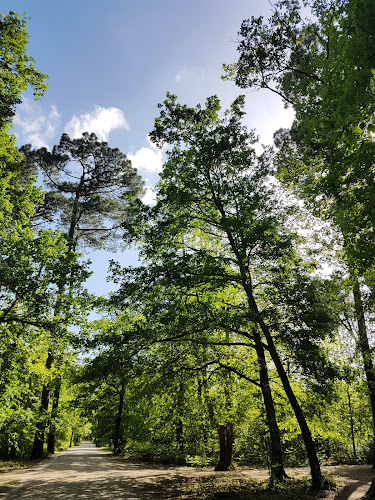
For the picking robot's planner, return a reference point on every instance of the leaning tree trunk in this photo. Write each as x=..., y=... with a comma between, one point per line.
x=226, y=447
x=278, y=473
x=316, y=474
x=364, y=347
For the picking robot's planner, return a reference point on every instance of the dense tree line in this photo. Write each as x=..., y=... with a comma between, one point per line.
x=228, y=343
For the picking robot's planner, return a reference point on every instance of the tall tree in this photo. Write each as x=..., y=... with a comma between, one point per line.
x=213, y=187
x=321, y=63
x=30, y=262
x=90, y=186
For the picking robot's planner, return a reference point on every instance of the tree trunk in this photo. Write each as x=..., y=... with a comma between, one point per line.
x=117, y=430
x=364, y=347
x=370, y=495
x=316, y=474
x=318, y=481
x=180, y=434
x=37, y=450
x=278, y=473
x=351, y=423
x=55, y=406
x=226, y=447
x=201, y=419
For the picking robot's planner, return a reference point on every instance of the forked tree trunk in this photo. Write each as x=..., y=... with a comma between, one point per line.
x=316, y=474
x=278, y=473
x=318, y=481
x=226, y=447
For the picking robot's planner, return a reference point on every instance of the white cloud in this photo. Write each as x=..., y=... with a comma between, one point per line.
x=149, y=197
x=101, y=122
x=147, y=159
x=36, y=128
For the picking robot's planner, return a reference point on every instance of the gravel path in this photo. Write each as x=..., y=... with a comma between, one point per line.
x=89, y=473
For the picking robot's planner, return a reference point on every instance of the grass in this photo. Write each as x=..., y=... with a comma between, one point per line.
x=206, y=488
x=16, y=464
x=8, y=481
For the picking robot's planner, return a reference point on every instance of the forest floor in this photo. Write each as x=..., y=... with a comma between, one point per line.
x=89, y=473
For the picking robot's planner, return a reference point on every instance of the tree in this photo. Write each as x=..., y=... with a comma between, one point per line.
x=323, y=66
x=212, y=188
x=29, y=262
x=17, y=68
x=90, y=185
x=120, y=341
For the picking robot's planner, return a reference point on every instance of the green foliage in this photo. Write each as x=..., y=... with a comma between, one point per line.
x=226, y=278
x=321, y=63
x=157, y=453
x=17, y=68
x=218, y=227
x=89, y=187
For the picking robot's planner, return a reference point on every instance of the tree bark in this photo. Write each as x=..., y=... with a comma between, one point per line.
x=55, y=406
x=226, y=447
x=117, y=430
x=37, y=450
x=370, y=495
x=364, y=347
x=278, y=473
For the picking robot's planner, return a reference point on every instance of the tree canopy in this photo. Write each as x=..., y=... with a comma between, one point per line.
x=228, y=343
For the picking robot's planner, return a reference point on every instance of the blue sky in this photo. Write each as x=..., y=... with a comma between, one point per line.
x=110, y=62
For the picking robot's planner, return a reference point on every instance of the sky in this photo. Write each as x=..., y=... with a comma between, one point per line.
x=110, y=62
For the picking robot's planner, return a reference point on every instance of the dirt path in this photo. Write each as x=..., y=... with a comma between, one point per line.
x=84, y=472
x=89, y=473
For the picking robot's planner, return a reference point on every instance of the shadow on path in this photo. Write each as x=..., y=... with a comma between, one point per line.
x=86, y=473
x=357, y=480
x=89, y=473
